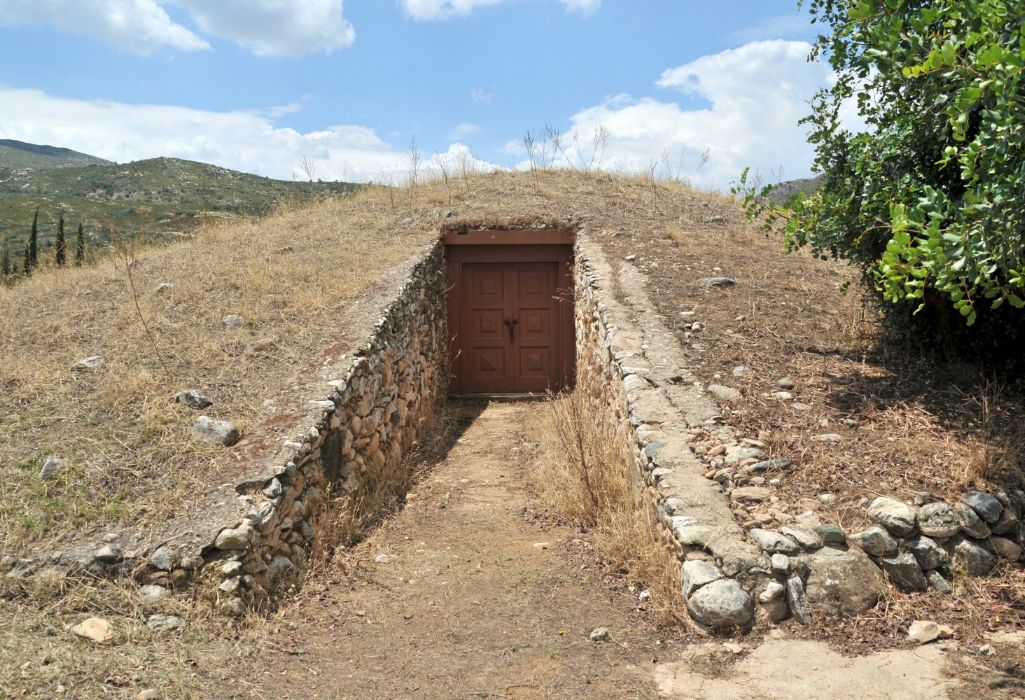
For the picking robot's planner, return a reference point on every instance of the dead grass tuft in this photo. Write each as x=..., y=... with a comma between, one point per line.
x=584, y=473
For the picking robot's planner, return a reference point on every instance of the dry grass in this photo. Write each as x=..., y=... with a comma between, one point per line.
x=583, y=473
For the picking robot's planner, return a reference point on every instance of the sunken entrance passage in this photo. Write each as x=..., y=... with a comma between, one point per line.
x=510, y=310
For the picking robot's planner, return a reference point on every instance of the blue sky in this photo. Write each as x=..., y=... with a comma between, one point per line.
x=259, y=84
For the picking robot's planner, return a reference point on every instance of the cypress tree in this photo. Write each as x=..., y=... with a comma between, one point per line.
x=59, y=252
x=28, y=261
x=33, y=248
x=80, y=247
x=5, y=261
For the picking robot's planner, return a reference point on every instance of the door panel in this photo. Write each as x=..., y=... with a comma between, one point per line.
x=513, y=331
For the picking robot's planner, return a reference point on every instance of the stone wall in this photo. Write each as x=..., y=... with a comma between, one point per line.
x=383, y=405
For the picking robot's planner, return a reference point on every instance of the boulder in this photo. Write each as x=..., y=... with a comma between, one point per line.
x=904, y=571
x=1005, y=548
x=772, y=542
x=219, y=432
x=697, y=573
x=832, y=535
x=52, y=468
x=896, y=516
x=875, y=541
x=843, y=582
x=938, y=520
x=971, y=524
x=721, y=603
x=1006, y=524
x=806, y=537
x=927, y=552
x=986, y=505
x=976, y=559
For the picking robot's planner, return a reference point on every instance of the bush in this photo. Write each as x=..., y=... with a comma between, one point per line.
x=928, y=200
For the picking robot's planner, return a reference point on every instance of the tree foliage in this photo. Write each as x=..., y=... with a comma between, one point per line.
x=928, y=199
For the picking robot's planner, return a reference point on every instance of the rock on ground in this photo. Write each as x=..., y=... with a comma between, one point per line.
x=844, y=582
x=721, y=603
x=219, y=432
x=52, y=468
x=896, y=516
x=95, y=629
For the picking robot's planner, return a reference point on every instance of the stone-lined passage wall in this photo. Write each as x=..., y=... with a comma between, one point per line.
x=384, y=403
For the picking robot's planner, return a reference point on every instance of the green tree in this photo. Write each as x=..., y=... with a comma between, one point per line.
x=27, y=264
x=5, y=261
x=32, y=251
x=928, y=199
x=80, y=247
x=59, y=253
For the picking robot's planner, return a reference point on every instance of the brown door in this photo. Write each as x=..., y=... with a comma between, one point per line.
x=509, y=327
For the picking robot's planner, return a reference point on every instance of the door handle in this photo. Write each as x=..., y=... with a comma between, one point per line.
x=510, y=323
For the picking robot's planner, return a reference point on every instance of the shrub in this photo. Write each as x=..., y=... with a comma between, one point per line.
x=928, y=200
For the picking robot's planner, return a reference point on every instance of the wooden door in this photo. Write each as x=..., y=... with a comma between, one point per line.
x=509, y=337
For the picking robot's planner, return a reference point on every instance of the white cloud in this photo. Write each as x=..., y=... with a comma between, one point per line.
x=246, y=141
x=134, y=25
x=426, y=10
x=461, y=131
x=275, y=27
x=793, y=25
x=266, y=27
x=481, y=96
x=757, y=94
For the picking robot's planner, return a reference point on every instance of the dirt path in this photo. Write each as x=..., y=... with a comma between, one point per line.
x=466, y=603
x=469, y=603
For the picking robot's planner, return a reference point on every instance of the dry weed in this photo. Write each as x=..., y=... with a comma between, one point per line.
x=584, y=473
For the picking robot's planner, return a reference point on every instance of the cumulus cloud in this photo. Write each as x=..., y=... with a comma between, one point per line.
x=266, y=27
x=246, y=141
x=275, y=27
x=755, y=93
x=426, y=10
x=134, y=25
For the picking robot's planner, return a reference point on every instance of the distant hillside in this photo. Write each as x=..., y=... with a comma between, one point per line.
x=785, y=190
x=152, y=200
x=18, y=154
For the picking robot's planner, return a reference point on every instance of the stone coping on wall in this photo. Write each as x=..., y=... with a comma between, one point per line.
x=360, y=405
x=701, y=473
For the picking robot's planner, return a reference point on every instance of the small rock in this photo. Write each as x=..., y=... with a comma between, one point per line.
x=971, y=524
x=164, y=623
x=829, y=437
x=160, y=558
x=938, y=520
x=832, y=535
x=165, y=288
x=773, y=590
x=927, y=553
x=805, y=537
x=1005, y=548
x=800, y=406
x=219, y=432
x=193, y=398
x=925, y=631
x=987, y=650
x=741, y=371
x=733, y=647
x=148, y=694
x=786, y=384
x=382, y=559
x=644, y=595
x=719, y=282
x=715, y=219
x=905, y=572
x=752, y=494
x=52, y=467
x=783, y=395
x=721, y=603
x=152, y=594
x=769, y=465
x=235, y=538
x=986, y=505
x=797, y=601
x=1006, y=524
x=599, y=634
x=630, y=258
x=697, y=573
x=231, y=568
x=875, y=541
x=896, y=516
x=230, y=585
x=233, y=321
x=724, y=393
x=736, y=455
x=975, y=558
x=108, y=554
x=773, y=542
x=87, y=364
x=95, y=629
x=278, y=567
x=780, y=564
x=937, y=582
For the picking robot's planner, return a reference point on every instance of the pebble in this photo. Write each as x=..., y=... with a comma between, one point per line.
x=148, y=694
x=164, y=623
x=786, y=383
x=233, y=321
x=52, y=467
x=719, y=282
x=193, y=398
x=87, y=364
x=382, y=559
x=599, y=634
x=95, y=629
x=925, y=631
x=151, y=594
x=630, y=258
